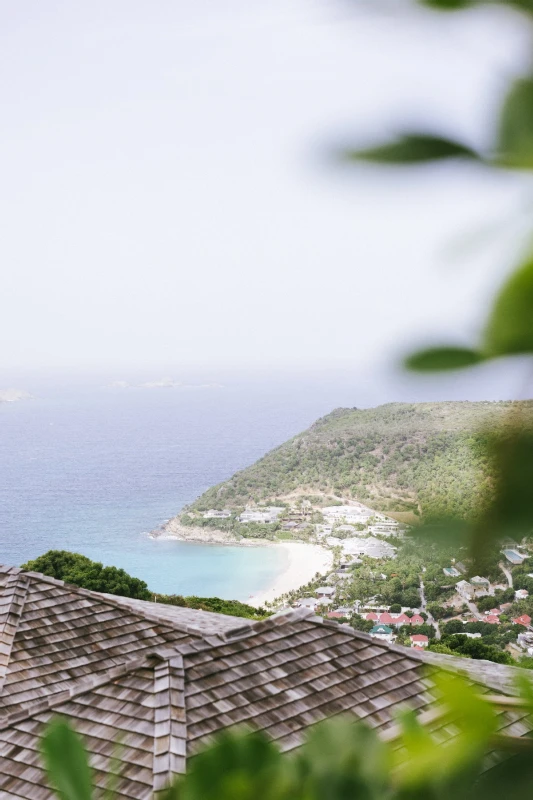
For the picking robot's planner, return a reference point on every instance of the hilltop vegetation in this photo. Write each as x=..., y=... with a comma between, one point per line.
x=425, y=458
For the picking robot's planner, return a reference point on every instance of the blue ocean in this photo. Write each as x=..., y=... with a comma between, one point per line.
x=92, y=468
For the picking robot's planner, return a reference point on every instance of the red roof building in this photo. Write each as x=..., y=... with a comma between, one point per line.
x=416, y=619
x=495, y=612
x=335, y=615
x=523, y=620
x=372, y=616
x=402, y=619
x=386, y=619
x=492, y=619
x=419, y=640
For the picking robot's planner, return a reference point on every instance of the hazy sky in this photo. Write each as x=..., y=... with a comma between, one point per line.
x=166, y=194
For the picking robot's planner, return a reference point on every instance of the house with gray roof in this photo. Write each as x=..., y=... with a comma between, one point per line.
x=162, y=680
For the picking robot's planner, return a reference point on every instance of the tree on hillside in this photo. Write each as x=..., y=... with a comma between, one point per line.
x=81, y=571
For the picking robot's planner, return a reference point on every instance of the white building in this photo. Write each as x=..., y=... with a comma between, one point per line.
x=525, y=640
x=382, y=632
x=214, y=514
x=325, y=591
x=307, y=602
x=521, y=594
x=364, y=546
x=465, y=589
x=266, y=515
x=386, y=528
x=350, y=514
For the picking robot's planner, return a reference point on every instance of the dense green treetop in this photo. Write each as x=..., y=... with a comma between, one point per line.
x=81, y=571
x=430, y=458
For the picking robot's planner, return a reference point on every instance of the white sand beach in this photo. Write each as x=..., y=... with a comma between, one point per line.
x=304, y=561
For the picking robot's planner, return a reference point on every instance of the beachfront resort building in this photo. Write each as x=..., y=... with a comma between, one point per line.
x=514, y=557
x=266, y=515
x=349, y=514
x=325, y=591
x=364, y=546
x=386, y=528
x=163, y=680
x=214, y=514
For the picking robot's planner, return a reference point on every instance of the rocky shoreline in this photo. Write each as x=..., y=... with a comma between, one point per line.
x=173, y=529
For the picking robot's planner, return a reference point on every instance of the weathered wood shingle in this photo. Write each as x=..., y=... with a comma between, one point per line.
x=147, y=687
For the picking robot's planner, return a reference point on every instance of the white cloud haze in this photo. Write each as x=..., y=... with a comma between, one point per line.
x=166, y=198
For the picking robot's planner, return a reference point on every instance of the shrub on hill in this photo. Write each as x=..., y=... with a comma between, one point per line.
x=359, y=623
x=438, y=612
x=232, y=607
x=475, y=648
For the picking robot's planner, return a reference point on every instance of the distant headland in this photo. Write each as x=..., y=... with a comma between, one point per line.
x=14, y=395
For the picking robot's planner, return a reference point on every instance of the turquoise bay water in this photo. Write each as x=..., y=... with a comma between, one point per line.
x=93, y=469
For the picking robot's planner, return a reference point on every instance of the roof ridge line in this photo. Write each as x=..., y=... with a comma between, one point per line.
x=257, y=625
x=109, y=599
x=14, y=595
x=170, y=725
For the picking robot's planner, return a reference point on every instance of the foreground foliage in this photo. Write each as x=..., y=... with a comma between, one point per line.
x=340, y=760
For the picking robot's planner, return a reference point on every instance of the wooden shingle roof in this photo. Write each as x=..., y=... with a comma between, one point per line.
x=161, y=690
x=52, y=635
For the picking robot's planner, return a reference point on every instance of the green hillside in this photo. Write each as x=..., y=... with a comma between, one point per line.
x=426, y=458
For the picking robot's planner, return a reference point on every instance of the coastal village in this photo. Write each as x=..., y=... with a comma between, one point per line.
x=386, y=583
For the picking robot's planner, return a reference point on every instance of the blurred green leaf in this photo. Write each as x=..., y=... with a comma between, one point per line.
x=474, y=715
x=441, y=358
x=414, y=148
x=238, y=766
x=171, y=792
x=523, y=5
x=447, y=5
x=510, y=327
x=515, y=139
x=420, y=754
x=525, y=691
x=510, y=780
x=510, y=510
x=66, y=762
x=448, y=531
x=113, y=778
x=426, y=760
x=343, y=759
